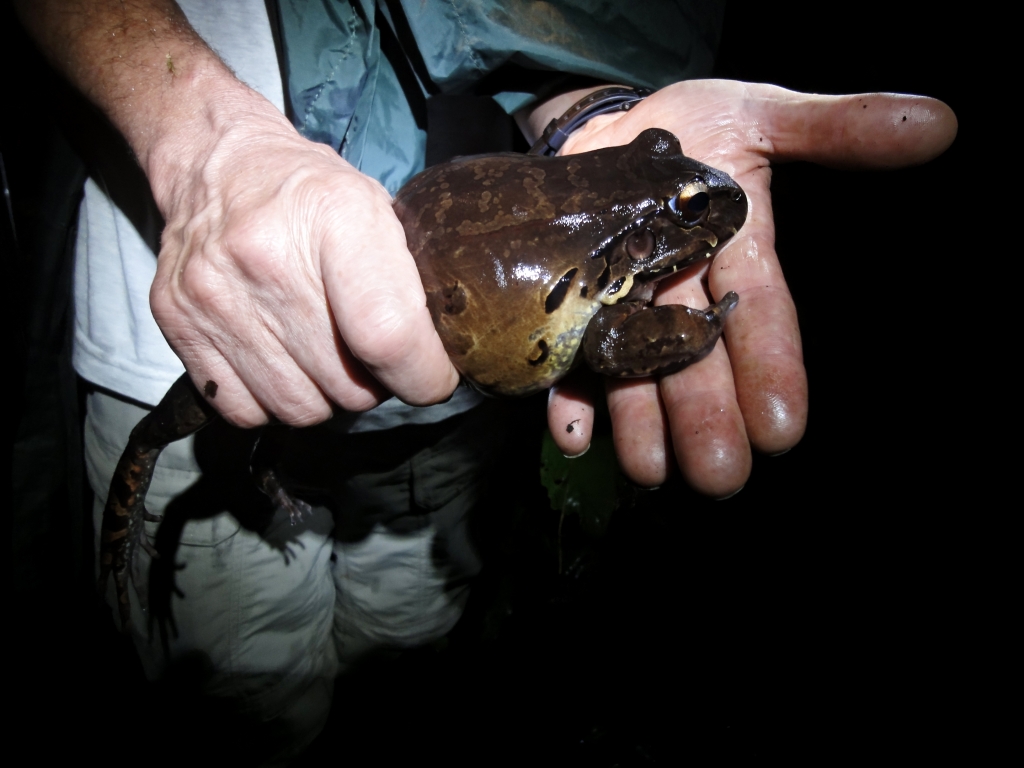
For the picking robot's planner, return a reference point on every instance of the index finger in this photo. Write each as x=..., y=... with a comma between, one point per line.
x=379, y=304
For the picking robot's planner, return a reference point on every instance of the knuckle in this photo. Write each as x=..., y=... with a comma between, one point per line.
x=246, y=415
x=385, y=339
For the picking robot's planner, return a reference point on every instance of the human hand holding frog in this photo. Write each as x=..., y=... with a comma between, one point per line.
x=284, y=277
x=752, y=389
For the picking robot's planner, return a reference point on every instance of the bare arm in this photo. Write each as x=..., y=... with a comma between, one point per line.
x=145, y=67
x=283, y=274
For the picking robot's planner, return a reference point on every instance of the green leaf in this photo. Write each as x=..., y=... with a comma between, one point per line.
x=587, y=486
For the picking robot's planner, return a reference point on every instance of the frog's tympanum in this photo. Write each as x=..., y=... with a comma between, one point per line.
x=525, y=260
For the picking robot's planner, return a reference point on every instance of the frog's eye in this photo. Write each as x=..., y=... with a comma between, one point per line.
x=691, y=204
x=640, y=244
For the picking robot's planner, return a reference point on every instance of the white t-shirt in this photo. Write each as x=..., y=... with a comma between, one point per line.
x=117, y=343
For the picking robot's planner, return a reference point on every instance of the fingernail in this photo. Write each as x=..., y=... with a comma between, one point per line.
x=723, y=498
x=577, y=455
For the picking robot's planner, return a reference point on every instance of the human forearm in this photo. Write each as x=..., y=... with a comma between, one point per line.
x=145, y=67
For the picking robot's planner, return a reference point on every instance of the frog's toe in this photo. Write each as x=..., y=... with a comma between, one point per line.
x=722, y=309
x=283, y=501
x=150, y=550
x=296, y=509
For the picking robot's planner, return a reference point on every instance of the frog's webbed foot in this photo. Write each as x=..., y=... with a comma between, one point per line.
x=629, y=339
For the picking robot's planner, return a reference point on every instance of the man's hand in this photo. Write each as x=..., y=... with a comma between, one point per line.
x=752, y=390
x=283, y=276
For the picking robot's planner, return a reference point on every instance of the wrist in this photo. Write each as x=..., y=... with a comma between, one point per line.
x=214, y=112
x=594, y=104
x=584, y=138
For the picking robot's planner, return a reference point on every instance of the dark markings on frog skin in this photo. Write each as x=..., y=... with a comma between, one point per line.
x=454, y=297
x=616, y=286
x=210, y=389
x=542, y=353
x=558, y=293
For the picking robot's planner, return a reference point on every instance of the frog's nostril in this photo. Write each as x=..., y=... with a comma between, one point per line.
x=737, y=195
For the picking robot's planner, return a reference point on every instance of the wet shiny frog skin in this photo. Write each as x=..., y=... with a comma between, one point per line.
x=527, y=260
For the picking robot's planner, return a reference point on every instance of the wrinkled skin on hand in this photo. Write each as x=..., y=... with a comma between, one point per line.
x=752, y=390
x=284, y=277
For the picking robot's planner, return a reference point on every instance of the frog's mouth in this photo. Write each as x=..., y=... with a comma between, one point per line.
x=657, y=274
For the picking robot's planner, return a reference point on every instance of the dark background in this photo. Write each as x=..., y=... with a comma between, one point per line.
x=835, y=606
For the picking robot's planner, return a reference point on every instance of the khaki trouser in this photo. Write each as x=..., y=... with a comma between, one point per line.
x=267, y=613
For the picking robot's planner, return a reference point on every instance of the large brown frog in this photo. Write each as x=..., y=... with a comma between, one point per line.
x=524, y=260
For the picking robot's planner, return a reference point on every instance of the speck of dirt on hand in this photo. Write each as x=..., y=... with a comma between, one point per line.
x=210, y=389
x=170, y=64
x=904, y=118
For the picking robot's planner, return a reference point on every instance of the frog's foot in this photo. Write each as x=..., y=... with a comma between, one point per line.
x=629, y=339
x=281, y=499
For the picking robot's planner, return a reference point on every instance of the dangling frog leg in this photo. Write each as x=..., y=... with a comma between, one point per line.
x=182, y=412
x=633, y=339
x=266, y=453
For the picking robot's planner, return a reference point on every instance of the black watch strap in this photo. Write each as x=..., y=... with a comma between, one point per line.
x=614, y=99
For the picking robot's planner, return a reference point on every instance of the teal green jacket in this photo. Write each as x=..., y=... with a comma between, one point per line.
x=344, y=92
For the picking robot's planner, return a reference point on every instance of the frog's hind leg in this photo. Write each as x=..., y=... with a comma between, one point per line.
x=123, y=523
x=629, y=339
x=181, y=412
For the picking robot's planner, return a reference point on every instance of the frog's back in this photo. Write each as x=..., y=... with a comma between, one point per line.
x=517, y=253
x=492, y=236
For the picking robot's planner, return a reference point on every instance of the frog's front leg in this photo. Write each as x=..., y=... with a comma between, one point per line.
x=633, y=339
x=182, y=411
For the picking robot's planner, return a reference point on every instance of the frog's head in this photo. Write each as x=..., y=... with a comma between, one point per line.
x=689, y=211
